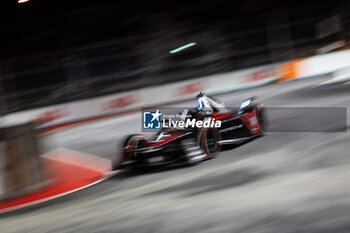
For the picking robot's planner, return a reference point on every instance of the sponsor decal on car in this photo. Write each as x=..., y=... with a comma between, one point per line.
x=231, y=128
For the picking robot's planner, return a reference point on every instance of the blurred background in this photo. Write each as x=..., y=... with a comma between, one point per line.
x=58, y=51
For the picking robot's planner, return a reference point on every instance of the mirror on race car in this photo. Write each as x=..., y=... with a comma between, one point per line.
x=244, y=105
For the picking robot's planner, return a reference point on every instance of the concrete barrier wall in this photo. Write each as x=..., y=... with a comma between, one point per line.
x=20, y=168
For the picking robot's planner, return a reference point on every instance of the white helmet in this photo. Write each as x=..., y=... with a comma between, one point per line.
x=204, y=107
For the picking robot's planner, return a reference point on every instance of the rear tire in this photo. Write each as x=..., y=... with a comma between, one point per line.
x=123, y=154
x=133, y=140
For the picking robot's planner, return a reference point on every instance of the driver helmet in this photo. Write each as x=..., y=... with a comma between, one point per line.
x=203, y=106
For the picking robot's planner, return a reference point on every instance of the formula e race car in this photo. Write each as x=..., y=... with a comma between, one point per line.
x=190, y=142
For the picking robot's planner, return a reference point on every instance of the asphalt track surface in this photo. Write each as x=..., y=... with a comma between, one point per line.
x=282, y=182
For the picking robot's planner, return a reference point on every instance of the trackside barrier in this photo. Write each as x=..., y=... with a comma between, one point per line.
x=20, y=168
x=329, y=63
x=99, y=106
x=167, y=93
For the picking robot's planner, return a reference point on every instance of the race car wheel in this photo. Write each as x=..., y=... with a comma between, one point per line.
x=208, y=139
x=133, y=142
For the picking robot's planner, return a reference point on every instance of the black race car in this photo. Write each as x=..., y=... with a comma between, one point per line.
x=175, y=145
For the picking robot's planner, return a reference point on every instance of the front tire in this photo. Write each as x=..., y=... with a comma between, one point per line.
x=208, y=140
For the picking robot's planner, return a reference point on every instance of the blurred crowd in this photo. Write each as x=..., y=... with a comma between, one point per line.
x=85, y=51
